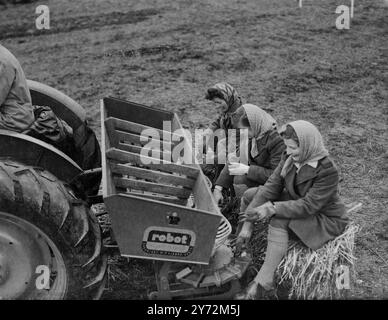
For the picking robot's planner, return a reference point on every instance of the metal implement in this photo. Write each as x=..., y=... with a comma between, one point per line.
x=147, y=202
x=164, y=210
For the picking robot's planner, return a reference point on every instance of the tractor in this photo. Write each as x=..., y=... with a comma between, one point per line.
x=51, y=243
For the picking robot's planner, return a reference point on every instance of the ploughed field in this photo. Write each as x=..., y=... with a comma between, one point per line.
x=291, y=61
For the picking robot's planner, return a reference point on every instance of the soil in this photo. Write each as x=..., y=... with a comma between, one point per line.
x=291, y=61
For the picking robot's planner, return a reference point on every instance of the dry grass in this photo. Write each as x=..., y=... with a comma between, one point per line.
x=308, y=274
x=312, y=274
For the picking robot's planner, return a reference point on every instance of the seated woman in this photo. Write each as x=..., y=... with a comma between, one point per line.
x=227, y=100
x=300, y=198
x=266, y=148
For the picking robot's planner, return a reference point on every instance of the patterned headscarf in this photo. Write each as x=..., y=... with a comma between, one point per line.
x=227, y=93
x=310, y=143
x=260, y=122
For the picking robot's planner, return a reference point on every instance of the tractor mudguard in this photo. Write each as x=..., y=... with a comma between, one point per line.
x=31, y=151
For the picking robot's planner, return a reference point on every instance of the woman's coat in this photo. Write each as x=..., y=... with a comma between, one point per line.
x=309, y=199
x=270, y=148
x=265, y=150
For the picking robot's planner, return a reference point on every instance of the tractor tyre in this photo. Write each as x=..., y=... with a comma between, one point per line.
x=50, y=243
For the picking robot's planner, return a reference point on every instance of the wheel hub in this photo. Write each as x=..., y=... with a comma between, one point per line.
x=23, y=248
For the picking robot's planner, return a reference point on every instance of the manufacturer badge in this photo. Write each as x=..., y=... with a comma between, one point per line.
x=168, y=241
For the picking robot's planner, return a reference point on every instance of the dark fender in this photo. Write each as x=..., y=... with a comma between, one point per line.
x=31, y=151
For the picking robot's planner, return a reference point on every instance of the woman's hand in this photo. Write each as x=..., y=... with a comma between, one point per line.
x=264, y=211
x=238, y=169
x=244, y=236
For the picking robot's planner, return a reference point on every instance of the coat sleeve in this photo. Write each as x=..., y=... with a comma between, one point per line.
x=6, y=79
x=323, y=189
x=261, y=174
x=271, y=190
x=225, y=180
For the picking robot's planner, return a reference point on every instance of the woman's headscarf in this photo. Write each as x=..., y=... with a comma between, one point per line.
x=310, y=143
x=228, y=94
x=260, y=122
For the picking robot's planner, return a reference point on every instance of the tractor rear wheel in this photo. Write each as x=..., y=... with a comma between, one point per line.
x=50, y=243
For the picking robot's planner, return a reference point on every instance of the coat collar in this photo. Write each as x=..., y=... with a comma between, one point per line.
x=313, y=164
x=264, y=139
x=306, y=172
x=260, y=143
